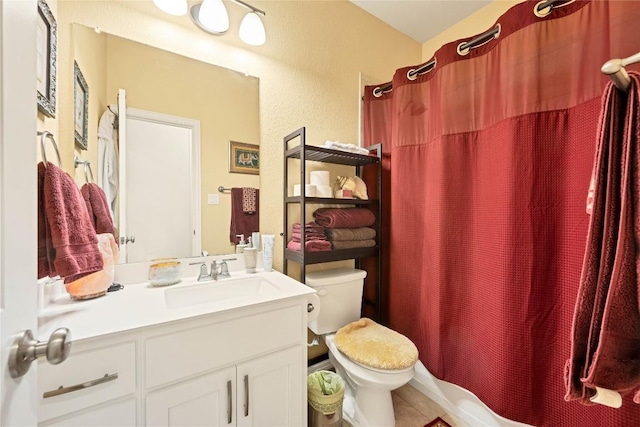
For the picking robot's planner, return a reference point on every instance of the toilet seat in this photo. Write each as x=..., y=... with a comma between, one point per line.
x=375, y=346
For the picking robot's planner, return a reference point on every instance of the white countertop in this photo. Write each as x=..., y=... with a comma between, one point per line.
x=140, y=305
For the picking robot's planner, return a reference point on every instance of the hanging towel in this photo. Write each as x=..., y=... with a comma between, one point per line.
x=108, y=160
x=249, y=200
x=46, y=254
x=606, y=325
x=70, y=242
x=98, y=208
x=344, y=218
x=243, y=222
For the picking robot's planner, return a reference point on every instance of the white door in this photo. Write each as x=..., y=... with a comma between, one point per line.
x=18, y=229
x=161, y=186
x=260, y=403
x=206, y=400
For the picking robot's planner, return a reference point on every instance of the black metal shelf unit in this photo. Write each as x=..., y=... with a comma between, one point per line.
x=305, y=153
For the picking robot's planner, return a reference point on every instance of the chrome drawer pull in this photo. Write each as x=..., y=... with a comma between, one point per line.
x=246, y=395
x=230, y=404
x=63, y=390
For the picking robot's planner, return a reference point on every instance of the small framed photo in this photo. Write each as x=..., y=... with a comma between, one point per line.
x=46, y=48
x=244, y=158
x=81, y=107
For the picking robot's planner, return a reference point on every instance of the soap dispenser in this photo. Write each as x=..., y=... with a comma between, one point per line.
x=240, y=246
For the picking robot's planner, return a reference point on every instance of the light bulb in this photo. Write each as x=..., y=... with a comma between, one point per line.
x=172, y=7
x=213, y=16
x=252, y=30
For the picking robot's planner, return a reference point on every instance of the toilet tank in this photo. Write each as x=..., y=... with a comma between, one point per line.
x=340, y=292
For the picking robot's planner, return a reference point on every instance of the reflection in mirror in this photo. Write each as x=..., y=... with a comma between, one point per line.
x=169, y=98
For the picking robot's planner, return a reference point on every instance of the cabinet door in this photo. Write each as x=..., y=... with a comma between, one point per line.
x=270, y=390
x=204, y=401
x=119, y=414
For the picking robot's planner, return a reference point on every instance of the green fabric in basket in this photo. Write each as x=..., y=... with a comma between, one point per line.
x=325, y=391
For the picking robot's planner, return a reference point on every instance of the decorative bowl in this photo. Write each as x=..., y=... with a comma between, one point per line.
x=164, y=273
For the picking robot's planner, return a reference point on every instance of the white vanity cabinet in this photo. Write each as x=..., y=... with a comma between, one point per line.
x=247, y=371
x=242, y=367
x=262, y=392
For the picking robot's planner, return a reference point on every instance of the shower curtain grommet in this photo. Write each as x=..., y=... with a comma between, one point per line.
x=411, y=74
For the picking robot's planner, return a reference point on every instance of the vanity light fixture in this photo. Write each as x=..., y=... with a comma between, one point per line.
x=211, y=16
x=172, y=7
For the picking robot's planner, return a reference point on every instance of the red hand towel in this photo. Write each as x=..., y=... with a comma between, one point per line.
x=242, y=222
x=98, y=208
x=73, y=239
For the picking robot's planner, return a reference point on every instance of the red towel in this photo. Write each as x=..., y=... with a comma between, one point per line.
x=309, y=236
x=243, y=222
x=344, y=218
x=606, y=324
x=70, y=242
x=310, y=246
x=98, y=208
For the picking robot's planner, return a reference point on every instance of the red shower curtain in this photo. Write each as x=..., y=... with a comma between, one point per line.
x=490, y=160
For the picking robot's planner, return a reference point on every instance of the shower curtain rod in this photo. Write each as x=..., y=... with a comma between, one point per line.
x=614, y=68
x=411, y=74
x=478, y=41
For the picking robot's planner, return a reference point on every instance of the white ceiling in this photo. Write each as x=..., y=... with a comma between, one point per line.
x=421, y=19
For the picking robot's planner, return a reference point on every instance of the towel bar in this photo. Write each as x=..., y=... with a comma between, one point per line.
x=87, y=168
x=44, y=135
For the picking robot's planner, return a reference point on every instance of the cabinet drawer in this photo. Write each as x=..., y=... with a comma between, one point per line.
x=121, y=414
x=192, y=351
x=87, y=368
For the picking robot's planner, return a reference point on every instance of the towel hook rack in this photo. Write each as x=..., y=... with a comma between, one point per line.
x=44, y=135
x=614, y=68
x=87, y=168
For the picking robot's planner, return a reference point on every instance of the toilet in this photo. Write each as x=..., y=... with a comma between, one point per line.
x=372, y=359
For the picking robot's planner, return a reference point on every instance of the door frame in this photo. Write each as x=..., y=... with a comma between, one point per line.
x=194, y=176
x=18, y=207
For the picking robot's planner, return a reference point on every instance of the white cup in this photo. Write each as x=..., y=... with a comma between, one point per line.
x=250, y=259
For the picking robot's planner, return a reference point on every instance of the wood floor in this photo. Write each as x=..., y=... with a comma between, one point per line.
x=414, y=409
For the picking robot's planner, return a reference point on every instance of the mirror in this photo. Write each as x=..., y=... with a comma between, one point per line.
x=223, y=101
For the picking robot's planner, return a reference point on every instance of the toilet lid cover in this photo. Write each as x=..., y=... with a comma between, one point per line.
x=370, y=344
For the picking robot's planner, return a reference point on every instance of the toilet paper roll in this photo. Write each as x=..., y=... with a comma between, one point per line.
x=324, y=191
x=320, y=178
x=607, y=397
x=310, y=190
x=313, y=307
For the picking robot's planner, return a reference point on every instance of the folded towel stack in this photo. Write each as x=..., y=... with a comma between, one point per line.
x=315, y=239
x=347, y=228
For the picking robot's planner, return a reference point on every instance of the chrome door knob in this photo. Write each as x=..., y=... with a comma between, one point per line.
x=25, y=349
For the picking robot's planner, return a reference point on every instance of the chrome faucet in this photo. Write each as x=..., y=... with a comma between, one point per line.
x=221, y=270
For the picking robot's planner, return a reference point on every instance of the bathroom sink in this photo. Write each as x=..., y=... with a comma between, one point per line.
x=223, y=290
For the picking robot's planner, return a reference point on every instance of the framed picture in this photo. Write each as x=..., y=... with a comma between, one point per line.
x=80, y=107
x=244, y=158
x=46, y=42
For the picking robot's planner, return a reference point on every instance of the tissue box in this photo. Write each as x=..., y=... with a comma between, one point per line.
x=344, y=194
